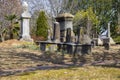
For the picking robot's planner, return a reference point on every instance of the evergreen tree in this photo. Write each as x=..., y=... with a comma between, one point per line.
x=42, y=25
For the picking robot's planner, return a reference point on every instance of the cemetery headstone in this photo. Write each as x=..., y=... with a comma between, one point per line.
x=80, y=33
x=56, y=32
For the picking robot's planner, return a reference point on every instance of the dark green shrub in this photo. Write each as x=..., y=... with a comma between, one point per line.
x=42, y=25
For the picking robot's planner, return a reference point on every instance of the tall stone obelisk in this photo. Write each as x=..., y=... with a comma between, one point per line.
x=25, y=23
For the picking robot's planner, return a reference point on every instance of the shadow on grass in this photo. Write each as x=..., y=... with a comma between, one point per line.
x=56, y=58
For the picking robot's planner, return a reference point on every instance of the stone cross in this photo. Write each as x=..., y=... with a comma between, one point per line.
x=25, y=23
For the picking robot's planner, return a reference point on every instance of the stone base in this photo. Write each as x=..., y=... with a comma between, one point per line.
x=27, y=39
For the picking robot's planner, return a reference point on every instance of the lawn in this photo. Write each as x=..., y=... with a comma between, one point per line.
x=71, y=73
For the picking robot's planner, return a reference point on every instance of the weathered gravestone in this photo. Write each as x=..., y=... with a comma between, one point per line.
x=25, y=27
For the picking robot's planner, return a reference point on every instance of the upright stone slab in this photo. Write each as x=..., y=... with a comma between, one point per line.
x=65, y=21
x=87, y=30
x=25, y=23
x=56, y=32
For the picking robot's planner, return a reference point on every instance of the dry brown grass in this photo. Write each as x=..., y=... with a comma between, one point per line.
x=16, y=58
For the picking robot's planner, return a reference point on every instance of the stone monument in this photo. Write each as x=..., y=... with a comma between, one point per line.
x=25, y=23
x=65, y=20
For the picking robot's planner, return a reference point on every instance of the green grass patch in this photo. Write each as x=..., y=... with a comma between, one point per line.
x=72, y=73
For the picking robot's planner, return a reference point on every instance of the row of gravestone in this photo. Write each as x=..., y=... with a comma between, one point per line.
x=63, y=28
x=64, y=37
